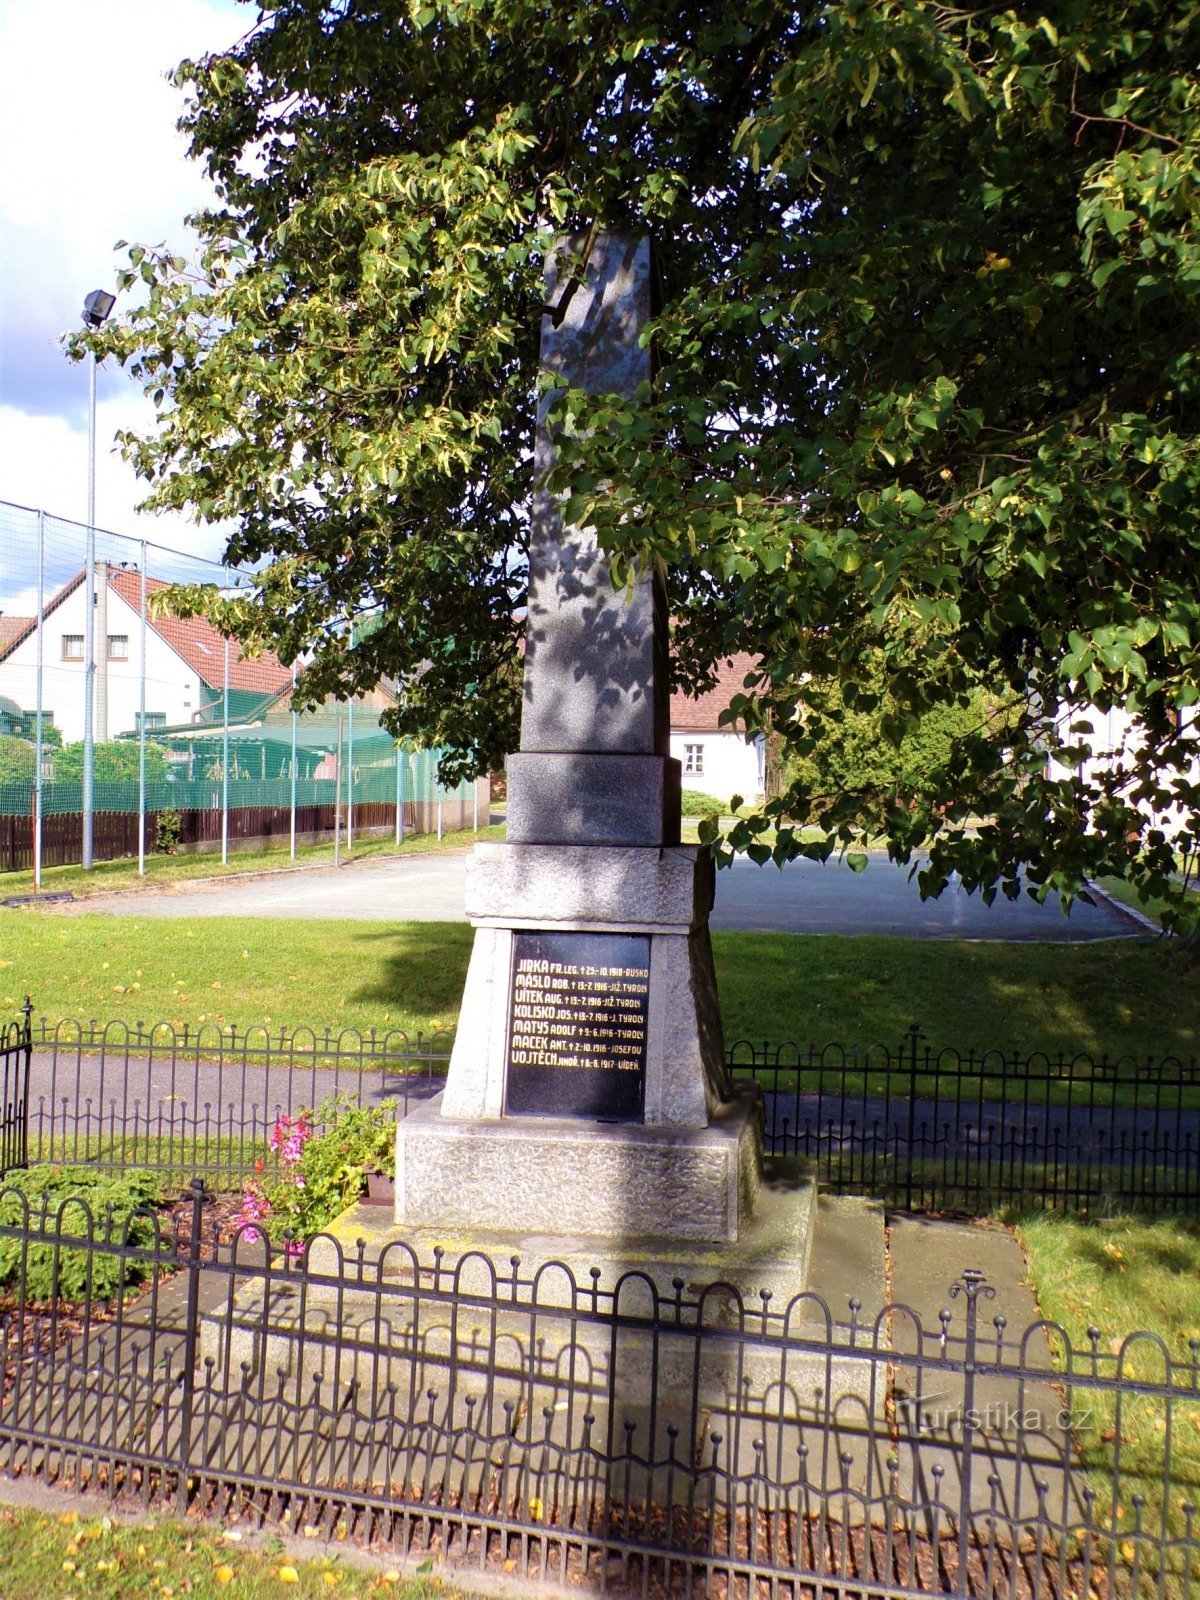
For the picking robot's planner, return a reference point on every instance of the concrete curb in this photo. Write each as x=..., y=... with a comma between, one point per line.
x=1119, y=906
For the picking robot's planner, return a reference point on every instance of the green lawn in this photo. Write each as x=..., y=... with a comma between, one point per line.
x=1120, y=997
x=1124, y=1274
x=72, y=1555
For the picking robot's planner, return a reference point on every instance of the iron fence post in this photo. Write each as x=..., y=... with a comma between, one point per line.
x=913, y=1037
x=22, y=1152
x=971, y=1285
x=199, y=1197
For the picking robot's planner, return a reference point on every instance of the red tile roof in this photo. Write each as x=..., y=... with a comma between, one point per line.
x=699, y=714
x=199, y=643
x=14, y=628
x=192, y=638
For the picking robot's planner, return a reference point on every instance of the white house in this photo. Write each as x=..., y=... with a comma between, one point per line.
x=185, y=662
x=1112, y=739
x=716, y=759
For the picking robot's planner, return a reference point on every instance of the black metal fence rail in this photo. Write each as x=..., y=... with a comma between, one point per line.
x=917, y=1125
x=928, y=1127
x=204, y=1100
x=15, y=1053
x=597, y=1432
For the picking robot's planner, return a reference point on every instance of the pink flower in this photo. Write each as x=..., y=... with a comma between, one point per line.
x=254, y=1207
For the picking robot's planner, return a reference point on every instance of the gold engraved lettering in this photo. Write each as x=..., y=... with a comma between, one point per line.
x=578, y=1015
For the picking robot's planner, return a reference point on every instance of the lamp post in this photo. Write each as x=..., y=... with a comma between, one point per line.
x=95, y=313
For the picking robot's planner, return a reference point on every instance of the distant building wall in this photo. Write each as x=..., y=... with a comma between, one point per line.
x=720, y=764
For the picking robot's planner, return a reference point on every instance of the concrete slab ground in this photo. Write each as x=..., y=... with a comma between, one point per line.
x=417, y=888
x=807, y=897
x=803, y=897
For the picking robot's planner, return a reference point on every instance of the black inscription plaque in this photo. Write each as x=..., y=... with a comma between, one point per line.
x=577, y=1026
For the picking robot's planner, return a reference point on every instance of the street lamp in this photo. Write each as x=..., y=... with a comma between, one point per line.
x=96, y=309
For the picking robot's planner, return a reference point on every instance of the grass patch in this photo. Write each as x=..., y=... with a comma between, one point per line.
x=1125, y=1274
x=1119, y=998
x=107, y=876
x=1116, y=998
x=172, y=1161
x=107, y=1558
x=260, y=972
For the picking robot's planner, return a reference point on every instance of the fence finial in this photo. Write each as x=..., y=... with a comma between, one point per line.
x=972, y=1283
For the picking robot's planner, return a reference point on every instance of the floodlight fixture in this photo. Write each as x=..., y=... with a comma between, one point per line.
x=97, y=307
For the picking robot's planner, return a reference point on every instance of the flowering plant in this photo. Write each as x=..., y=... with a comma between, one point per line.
x=321, y=1159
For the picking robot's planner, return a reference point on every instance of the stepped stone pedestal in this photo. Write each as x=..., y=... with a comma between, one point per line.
x=588, y=1155
x=587, y=1105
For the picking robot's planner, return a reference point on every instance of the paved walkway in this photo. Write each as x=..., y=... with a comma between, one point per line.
x=806, y=897
x=803, y=897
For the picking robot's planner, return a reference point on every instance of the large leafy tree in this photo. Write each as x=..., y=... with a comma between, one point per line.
x=926, y=391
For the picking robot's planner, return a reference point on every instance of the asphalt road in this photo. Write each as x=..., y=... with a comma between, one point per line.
x=804, y=897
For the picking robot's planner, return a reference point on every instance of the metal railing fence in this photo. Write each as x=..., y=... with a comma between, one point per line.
x=931, y=1127
x=16, y=1050
x=918, y=1126
x=591, y=1430
x=203, y=1100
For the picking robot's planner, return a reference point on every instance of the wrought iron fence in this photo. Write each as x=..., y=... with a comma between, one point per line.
x=205, y=1099
x=597, y=1430
x=917, y=1125
x=15, y=1051
x=928, y=1127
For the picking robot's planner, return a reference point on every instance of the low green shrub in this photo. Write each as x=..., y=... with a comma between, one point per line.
x=166, y=832
x=106, y=1209
x=312, y=1176
x=697, y=804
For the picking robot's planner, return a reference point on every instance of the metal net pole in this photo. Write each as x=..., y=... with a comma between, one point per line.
x=225, y=765
x=37, y=771
x=292, y=830
x=89, y=628
x=350, y=772
x=399, y=795
x=337, y=802
x=142, y=717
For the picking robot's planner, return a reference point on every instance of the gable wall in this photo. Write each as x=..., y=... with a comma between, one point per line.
x=172, y=687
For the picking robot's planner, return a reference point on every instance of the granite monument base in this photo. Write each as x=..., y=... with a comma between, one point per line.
x=617, y=1182
x=663, y=894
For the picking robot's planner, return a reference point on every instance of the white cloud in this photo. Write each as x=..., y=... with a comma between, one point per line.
x=40, y=451
x=88, y=118
x=87, y=124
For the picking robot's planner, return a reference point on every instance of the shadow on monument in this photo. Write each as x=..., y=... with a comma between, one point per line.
x=584, y=1303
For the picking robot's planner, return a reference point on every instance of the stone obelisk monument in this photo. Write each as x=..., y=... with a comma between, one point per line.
x=587, y=1097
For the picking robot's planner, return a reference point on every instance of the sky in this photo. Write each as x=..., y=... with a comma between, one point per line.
x=90, y=156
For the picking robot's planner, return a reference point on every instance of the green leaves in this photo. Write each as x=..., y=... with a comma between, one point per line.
x=923, y=420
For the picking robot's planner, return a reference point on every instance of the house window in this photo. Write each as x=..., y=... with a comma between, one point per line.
x=72, y=647
x=118, y=647
x=693, y=758
x=154, y=719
